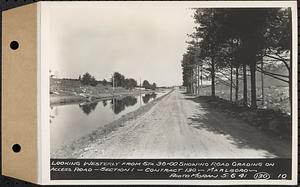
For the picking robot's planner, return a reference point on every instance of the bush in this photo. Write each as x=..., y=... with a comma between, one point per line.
x=87, y=79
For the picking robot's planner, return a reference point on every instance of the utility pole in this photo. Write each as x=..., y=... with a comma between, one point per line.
x=140, y=82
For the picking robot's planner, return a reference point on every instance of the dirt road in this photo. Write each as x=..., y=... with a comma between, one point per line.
x=179, y=127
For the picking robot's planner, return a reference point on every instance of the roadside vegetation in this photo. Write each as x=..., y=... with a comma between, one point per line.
x=246, y=55
x=231, y=46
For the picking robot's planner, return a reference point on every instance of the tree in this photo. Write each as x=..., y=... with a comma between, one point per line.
x=146, y=84
x=87, y=79
x=130, y=83
x=153, y=86
x=118, y=79
x=209, y=30
x=250, y=26
x=93, y=81
x=187, y=64
x=104, y=82
x=279, y=42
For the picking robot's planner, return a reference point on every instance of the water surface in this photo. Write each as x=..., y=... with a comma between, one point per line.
x=70, y=122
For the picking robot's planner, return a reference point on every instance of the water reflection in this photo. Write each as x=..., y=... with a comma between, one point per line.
x=118, y=105
x=147, y=97
x=104, y=102
x=88, y=116
x=87, y=108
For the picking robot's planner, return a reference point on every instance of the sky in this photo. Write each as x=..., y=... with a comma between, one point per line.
x=138, y=41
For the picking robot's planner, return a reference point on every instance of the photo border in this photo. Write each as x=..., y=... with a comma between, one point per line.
x=44, y=132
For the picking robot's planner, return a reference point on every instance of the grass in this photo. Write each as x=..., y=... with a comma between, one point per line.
x=276, y=98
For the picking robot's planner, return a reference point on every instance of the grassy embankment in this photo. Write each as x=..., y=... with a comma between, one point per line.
x=274, y=122
x=272, y=115
x=276, y=93
x=275, y=98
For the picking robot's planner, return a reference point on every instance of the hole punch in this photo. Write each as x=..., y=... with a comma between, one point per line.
x=16, y=148
x=14, y=45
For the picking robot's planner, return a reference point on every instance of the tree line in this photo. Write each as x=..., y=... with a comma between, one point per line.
x=117, y=80
x=236, y=43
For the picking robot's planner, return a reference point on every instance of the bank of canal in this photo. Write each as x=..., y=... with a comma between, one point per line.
x=81, y=119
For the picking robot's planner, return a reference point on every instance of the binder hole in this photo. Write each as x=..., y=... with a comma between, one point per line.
x=14, y=45
x=16, y=148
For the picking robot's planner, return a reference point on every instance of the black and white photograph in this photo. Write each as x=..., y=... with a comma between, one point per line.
x=166, y=81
